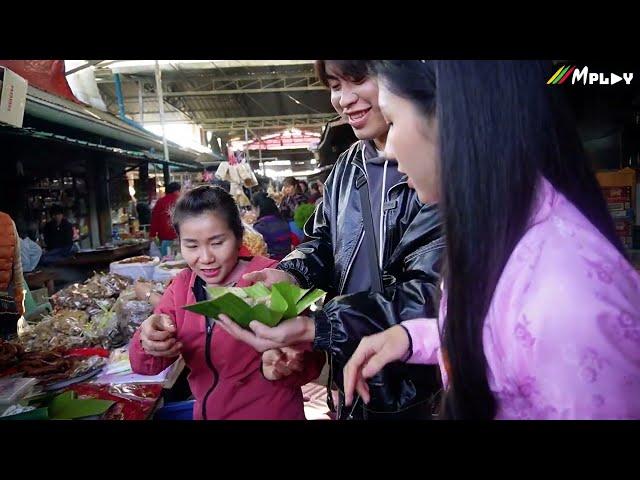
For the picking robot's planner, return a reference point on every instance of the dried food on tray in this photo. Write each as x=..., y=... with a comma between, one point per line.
x=54, y=366
x=64, y=329
x=95, y=291
x=112, y=283
x=174, y=265
x=10, y=353
x=138, y=259
x=72, y=329
x=104, y=330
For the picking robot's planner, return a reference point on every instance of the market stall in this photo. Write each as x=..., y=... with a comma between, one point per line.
x=73, y=362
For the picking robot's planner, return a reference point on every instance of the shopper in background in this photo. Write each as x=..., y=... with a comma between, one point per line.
x=30, y=251
x=271, y=226
x=161, y=218
x=292, y=198
x=402, y=252
x=12, y=288
x=540, y=316
x=314, y=193
x=304, y=188
x=58, y=237
x=226, y=376
x=144, y=212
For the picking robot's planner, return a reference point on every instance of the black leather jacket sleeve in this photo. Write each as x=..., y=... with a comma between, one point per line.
x=346, y=319
x=312, y=262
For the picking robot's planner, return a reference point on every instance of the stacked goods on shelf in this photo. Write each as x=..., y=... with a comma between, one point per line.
x=619, y=201
x=619, y=190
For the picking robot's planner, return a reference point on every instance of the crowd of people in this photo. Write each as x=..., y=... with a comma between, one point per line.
x=472, y=268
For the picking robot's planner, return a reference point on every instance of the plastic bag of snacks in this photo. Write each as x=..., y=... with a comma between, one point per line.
x=246, y=175
x=111, y=283
x=235, y=190
x=254, y=241
x=99, y=291
x=65, y=328
x=223, y=171
x=131, y=314
x=104, y=330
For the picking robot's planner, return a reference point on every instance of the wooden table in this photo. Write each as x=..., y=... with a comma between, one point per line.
x=41, y=279
x=104, y=256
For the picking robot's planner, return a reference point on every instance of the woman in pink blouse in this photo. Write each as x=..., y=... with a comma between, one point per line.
x=540, y=313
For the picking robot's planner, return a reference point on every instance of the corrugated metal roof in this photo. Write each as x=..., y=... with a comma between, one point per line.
x=56, y=109
x=133, y=154
x=201, y=77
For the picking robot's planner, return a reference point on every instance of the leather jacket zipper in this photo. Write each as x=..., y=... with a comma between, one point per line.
x=350, y=264
x=385, y=248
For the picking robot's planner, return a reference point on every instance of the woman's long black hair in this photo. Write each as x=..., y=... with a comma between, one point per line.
x=500, y=128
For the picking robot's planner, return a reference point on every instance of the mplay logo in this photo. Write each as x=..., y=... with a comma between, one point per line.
x=585, y=77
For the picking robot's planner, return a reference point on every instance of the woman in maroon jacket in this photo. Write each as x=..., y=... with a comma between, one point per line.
x=226, y=377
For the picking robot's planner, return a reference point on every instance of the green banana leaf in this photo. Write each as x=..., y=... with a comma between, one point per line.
x=37, y=414
x=257, y=290
x=309, y=299
x=291, y=293
x=216, y=292
x=243, y=305
x=66, y=406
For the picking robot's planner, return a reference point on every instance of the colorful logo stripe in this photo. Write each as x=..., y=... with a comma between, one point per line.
x=555, y=75
x=567, y=75
x=561, y=75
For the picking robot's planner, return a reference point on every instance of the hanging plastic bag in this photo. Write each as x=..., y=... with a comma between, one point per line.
x=223, y=171
x=254, y=241
x=234, y=174
x=247, y=176
x=238, y=195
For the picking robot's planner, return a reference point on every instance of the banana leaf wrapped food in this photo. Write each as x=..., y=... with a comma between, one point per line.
x=257, y=302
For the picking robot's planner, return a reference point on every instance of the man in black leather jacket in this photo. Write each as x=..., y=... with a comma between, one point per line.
x=409, y=244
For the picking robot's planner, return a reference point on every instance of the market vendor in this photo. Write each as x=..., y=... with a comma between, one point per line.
x=58, y=237
x=161, y=218
x=226, y=377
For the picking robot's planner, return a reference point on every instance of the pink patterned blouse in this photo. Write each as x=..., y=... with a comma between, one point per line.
x=562, y=335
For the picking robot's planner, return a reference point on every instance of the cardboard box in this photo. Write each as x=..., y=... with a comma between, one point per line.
x=616, y=185
x=13, y=97
x=617, y=178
